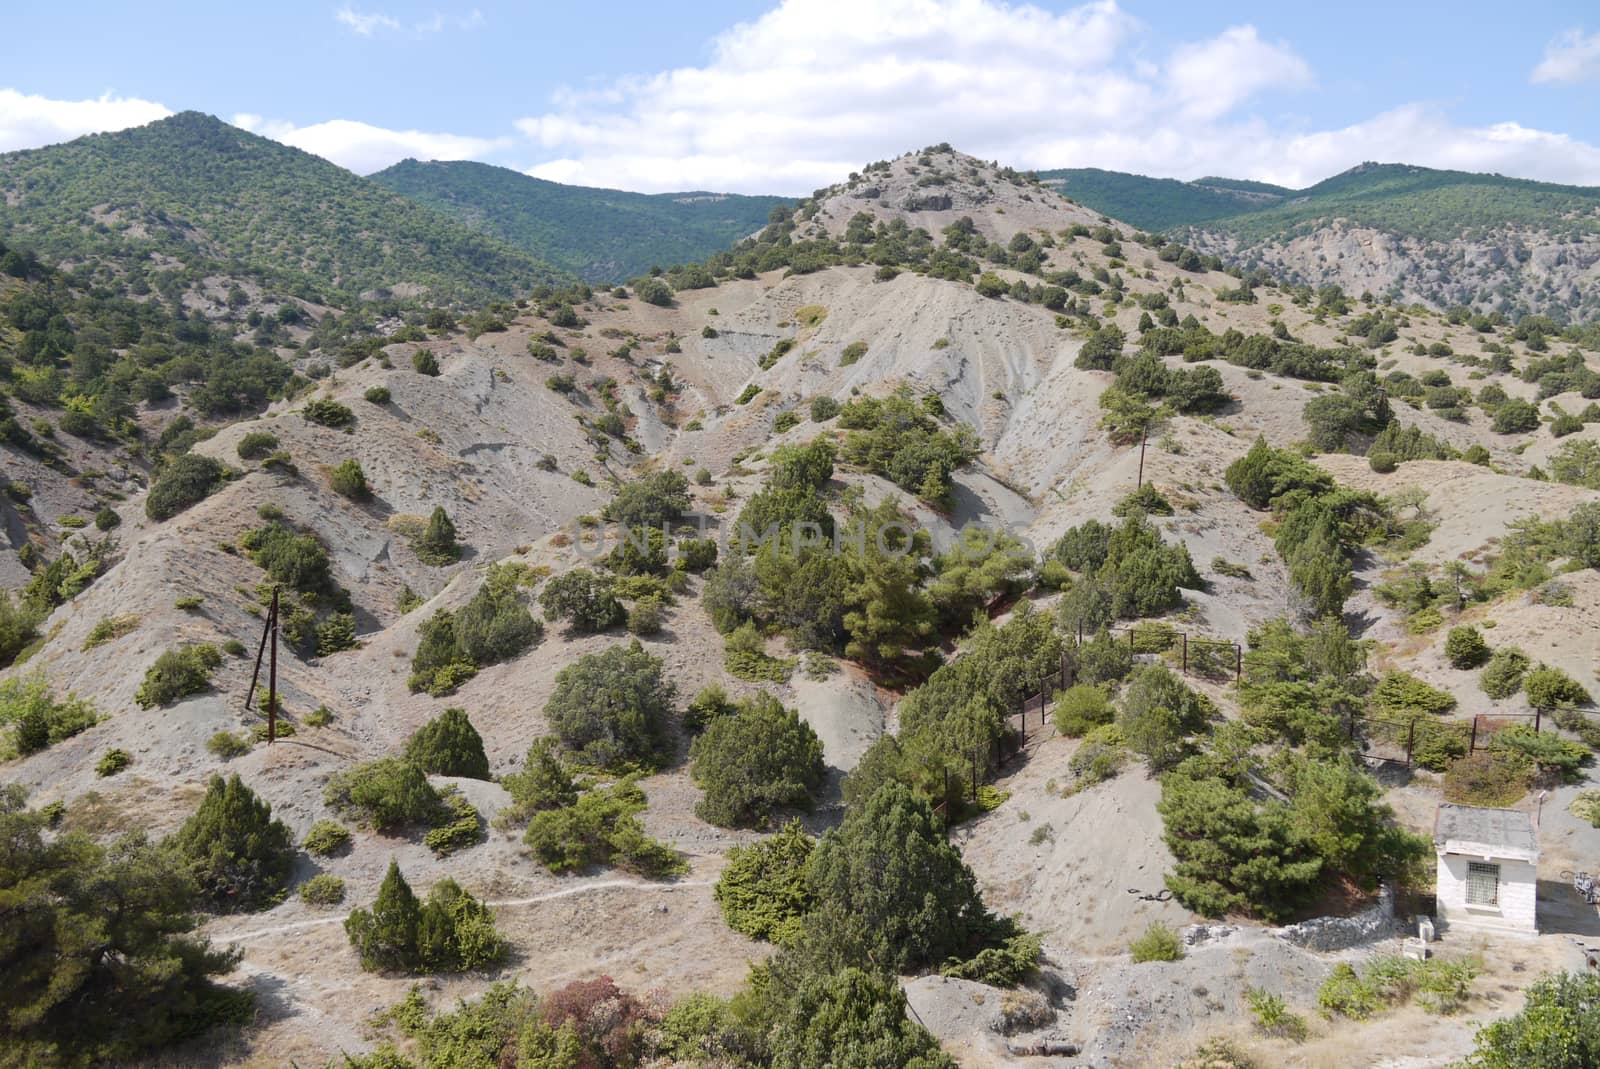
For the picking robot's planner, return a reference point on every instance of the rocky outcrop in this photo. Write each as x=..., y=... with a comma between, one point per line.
x=1509, y=269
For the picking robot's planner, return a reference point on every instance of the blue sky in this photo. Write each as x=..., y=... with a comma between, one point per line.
x=784, y=97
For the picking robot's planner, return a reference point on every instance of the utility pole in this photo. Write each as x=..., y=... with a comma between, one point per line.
x=1144, y=432
x=269, y=632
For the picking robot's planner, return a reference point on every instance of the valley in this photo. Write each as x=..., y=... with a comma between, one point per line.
x=1094, y=439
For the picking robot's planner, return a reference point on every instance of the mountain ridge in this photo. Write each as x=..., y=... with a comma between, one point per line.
x=215, y=198
x=1418, y=234
x=600, y=235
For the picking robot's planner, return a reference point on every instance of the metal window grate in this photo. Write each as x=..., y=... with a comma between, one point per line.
x=1483, y=884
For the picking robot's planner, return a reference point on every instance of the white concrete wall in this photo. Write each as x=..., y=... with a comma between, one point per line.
x=1519, y=887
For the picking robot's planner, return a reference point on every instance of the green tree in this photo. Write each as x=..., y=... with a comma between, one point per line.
x=763, y=891
x=1551, y=688
x=455, y=931
x=979, y=567
x=495, y=626
x=650, y=501
x=178, y=673
x=1232, y=852
x=887, y=613
x=1101, y=349
x=852, y=1019
x=18, y=627
x=387, y=793
x=585, y=600
x=760, y=758
x=1557, y=1028
x=1503, y=675
x=1082, y=708
x=611, y=708
x=448, y=745
x=386, y=935
x=186, y=481
x=348, y=480
x=438, y=545
x=1158, y=713
x=1264, y=474
x=1337, y=812
x=99, y=961
x=1464, y=647
x=239, y=857
x=1515, y=416
x=892, y=892
x=543, y=783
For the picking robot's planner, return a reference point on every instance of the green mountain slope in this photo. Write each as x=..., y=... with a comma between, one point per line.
x=601, y=235
x=1425, y=203
x=1158, y=203
x=1407, y=201
x=216, y=198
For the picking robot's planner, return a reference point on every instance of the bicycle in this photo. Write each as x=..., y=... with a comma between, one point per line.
x=1585, y=884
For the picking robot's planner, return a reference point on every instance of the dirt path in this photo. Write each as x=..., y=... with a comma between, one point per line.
x=566, y=892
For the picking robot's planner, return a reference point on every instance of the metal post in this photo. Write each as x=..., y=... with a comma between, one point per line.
x=1185, y=653
x=272, y=677
x=1538, y=718
x=1472, y=747
x=1080, y=630
x=1143, y=432
x=1411, y=738
x=261, y=651
x=1238, y=662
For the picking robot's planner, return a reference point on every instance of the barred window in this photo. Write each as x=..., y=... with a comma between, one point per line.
x=1483, y=884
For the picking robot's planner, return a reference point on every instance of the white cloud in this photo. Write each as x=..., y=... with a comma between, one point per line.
x=365, y=148
x=368, y=25
x=1414, y=133
x=30, y=121
x=813, y=89
x=1571, y=58
x=1212, y=78
x=365, y=25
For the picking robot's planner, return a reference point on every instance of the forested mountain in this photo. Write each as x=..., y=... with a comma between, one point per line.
x=1442, y=237
x=1160, y=203
x=601, y=235
x=211, y=198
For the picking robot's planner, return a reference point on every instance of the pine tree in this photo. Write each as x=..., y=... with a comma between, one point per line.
x=438, y=543
x=448, y=745
x=238, y=855
x=96, y=951
x=387, y=935
x=893, y=893
x=852, y=1018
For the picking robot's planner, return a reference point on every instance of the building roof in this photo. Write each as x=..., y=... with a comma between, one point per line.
x=1482, y=832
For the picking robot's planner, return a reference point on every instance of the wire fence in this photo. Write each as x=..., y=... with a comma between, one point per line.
x=1193, y=655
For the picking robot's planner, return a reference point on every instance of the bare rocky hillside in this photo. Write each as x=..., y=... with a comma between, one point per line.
x=512, y=439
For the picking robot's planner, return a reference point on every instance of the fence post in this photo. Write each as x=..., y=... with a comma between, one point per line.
x=1538, y=718
x=1411, y=737
x=1238, y=662
x=1472, y=747
x=1185, y=652
x=1080, y=630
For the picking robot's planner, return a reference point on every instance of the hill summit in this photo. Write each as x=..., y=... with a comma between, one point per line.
x=215, y=198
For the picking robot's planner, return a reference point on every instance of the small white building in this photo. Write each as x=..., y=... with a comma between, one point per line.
x=1488, y=869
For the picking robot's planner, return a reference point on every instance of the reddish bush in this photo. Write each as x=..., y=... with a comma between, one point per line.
x=611, y=1021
